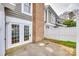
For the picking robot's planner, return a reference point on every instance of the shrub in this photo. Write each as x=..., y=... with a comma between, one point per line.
x=70, y=23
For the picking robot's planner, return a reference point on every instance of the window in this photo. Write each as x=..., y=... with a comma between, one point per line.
x=15, y=33
x=45, y=16
x=51, y=17
x=26, y=8
x=26, y=33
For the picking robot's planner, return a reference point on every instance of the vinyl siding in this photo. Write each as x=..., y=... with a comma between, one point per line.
x=17, y=13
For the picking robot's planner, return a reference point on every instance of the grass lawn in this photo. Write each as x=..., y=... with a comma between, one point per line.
x=66, y=43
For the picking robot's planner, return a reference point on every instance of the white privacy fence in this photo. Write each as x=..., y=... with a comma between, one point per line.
x=77, y=46
x=67, y=34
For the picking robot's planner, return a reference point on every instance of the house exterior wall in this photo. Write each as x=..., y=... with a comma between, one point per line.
x=17, y=12
x=38, y=21
x=15, y=16
x=51, y=15
x=51, y=18
x=2, y=31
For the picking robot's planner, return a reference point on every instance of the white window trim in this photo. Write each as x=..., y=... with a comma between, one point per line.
x=22, y=9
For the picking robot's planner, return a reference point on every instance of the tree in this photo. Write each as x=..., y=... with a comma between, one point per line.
x=70, y=23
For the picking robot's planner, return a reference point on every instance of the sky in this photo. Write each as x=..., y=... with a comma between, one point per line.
x=60, y=8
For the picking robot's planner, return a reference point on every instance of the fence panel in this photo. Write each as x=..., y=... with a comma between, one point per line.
x=67, y=34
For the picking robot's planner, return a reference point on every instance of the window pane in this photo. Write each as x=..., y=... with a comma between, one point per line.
x=26, y=33
x=49, y=16
x=15, y=33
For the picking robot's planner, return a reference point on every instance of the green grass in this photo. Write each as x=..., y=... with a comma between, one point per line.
x=66, y=43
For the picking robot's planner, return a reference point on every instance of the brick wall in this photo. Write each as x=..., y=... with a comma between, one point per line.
x=38, y=21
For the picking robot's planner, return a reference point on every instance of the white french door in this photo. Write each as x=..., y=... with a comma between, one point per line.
x=18, y=33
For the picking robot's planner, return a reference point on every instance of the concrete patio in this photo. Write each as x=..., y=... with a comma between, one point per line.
x=43, y=48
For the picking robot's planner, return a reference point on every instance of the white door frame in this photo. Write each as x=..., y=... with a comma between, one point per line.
x=2, y=30
x=21, y=23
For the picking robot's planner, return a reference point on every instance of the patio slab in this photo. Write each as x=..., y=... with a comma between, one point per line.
x=43, y=48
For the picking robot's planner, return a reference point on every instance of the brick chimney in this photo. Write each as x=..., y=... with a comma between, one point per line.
x=38, y=22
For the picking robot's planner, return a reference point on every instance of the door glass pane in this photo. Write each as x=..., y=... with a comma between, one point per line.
x=15, y=33
x=26, y=33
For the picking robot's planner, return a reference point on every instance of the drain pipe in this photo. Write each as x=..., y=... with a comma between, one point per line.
x=5, y=31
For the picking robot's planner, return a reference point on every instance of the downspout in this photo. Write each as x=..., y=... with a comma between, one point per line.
x=5, y=30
